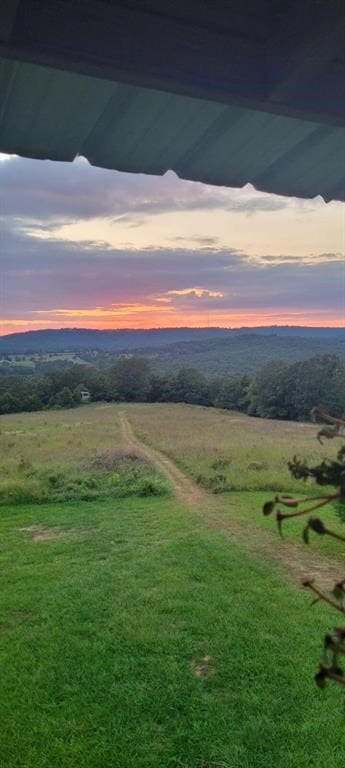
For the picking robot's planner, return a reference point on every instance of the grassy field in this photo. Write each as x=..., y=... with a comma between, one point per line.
x=136, y=634
x=70, y=455
x=243, y=459
x=251, y=453
x=30, y=361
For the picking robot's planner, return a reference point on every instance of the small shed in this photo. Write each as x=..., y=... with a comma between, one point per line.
x=85, y=395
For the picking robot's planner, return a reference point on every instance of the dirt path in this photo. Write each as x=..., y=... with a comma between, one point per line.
x=301, y=562
x=183, y=487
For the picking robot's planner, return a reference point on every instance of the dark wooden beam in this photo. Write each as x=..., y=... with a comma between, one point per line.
x=233, y=52
x=8, y=12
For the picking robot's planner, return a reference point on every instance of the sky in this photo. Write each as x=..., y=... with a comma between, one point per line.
x=87, y=247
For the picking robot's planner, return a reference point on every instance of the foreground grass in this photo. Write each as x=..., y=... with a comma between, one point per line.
x=134, y=636
x=251, y=454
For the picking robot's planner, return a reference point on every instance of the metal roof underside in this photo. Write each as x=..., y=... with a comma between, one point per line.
x=58, y=105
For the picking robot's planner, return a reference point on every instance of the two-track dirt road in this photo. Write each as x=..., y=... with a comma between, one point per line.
x=298, y=560
x=184, y=488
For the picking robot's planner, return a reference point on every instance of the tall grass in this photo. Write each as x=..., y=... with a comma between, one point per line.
x=70, y=456
x=228, y=451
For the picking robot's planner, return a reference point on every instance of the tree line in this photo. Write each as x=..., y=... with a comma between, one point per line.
x=279, y=390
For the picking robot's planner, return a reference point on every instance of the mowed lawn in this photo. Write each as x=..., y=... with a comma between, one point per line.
x=133, y=635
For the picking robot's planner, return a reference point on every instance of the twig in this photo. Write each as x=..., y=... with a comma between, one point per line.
x=301, y=512
x=321, y=596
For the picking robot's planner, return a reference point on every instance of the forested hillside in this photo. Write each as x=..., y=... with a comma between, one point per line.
x=240, y=354
x=78, y=339
x=216, y=356
x=278, y=390
x=82, y=339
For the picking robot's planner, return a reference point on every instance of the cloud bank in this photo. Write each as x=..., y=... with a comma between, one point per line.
x=51, y=281
x=61, y=192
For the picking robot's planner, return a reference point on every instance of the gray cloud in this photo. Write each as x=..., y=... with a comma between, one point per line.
x=42, y=274
x=202, y=241
x=55, y=193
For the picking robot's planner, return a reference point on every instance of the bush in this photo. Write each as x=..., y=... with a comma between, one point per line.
x=112, y=475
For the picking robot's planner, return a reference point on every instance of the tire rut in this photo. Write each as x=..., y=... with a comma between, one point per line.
x=299, y=562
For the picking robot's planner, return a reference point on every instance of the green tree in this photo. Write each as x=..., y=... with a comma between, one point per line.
x=269, y=394
x=191, y=387
x=162, y=388
x=9, y=403
x=233, y=392
x=129, y=379
x=65, y=398
x=320, y=379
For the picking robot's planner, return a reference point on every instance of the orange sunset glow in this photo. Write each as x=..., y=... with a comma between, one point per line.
x=144, y=318
x=88, y=248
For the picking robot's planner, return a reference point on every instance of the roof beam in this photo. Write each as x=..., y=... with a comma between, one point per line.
x=216, y=51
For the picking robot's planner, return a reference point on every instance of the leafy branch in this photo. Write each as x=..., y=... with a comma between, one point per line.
x=327, y=473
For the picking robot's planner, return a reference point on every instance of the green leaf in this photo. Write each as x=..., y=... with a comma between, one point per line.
x=337, y=671
x=338, y=590
x=316, y=525
x=268, y=507
x=320, y=679
x=305, y=534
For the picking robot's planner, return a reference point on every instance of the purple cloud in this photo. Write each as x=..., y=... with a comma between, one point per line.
x=41, y=274
x=48, y=192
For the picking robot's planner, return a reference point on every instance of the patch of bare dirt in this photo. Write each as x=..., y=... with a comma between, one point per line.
x=16, y=432
x=15, y=618
x=39, y=533
x=300, y=562
x=202, y=667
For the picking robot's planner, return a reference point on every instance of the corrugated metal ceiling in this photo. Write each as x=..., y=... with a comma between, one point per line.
x=49, y=113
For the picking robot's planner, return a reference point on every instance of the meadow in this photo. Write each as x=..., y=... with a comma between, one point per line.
x=142, y=629
x=31, y=361
x=251, y=453
x=70, y=455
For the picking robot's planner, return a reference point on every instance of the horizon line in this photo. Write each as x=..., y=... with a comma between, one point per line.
x=173, y=328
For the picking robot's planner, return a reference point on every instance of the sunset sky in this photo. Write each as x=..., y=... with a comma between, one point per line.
x=82, y=246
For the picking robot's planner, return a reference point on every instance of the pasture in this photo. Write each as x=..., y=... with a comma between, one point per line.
x=146, y=621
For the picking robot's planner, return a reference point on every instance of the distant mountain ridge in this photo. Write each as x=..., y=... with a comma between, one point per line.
x=79, y=339
x=240, y=353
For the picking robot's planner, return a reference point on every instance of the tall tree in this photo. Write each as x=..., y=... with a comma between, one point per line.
x=129, y=379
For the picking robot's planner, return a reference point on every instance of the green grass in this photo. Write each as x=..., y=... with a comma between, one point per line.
x=103, y=631
x=25, y=363
x=69, y=456
x=114, y=475
x=30, y=361
x=251, y=453
x=133, y=634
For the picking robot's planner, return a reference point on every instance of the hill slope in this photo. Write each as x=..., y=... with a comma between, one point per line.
x=78, y=339
x=239, y=354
